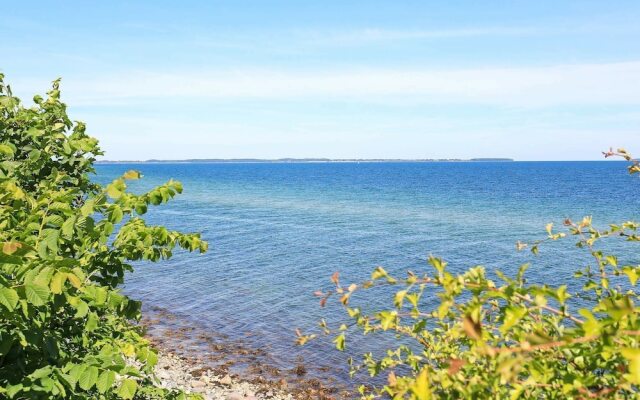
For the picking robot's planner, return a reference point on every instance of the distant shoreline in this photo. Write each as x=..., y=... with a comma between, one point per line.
x=299, y=160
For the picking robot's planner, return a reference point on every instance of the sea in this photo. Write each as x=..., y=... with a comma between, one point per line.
x=278, y=231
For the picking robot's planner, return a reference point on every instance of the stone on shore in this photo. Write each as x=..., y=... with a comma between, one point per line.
x=176, y=373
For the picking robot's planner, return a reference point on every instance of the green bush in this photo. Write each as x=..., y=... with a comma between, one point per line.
x=476, y=335
x=65, y=329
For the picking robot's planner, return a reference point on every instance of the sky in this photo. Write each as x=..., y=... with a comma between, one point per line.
x=530, y=80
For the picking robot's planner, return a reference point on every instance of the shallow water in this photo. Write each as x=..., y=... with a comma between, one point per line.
x=277, y=232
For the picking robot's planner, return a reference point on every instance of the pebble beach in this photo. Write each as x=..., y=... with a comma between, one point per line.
x=176, y=372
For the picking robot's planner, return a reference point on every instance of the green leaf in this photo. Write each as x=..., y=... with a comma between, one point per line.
x=36, y=294
x=74, y=280
x=512, y=315
x=633, y=356
x=99, y=295
x=68, y=227
x=12, y=390
x=86, y=210
x=590, y=325
x=81, y=309
x=420, y=387
x=57, y=282
x=561, y=294
x=113, y=191
x=523, y=268
x=131, y=174
x=34, y=154
x=75, y=372
x=92, y=322
x=438, y=264
x=9, y=298
x=14, y=190
x=618, y=308
x=413, y=298
x=127, y=389
x=6, y=150
x=549, y=228
x=378, y=273
x=399, y=298
x=443, y=309
x=339, y=341
x=116, y=214
x=141, y=208
x=44, y=276
x=7, y=259
x=88, y=378
x=105, y=381
x=155, y=197
x=632, y=274
x=152, y=358
x=50, y=237
x=387, y=319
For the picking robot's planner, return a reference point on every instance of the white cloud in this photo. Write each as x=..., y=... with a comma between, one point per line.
x=376, y=35
x=611, y=83
x=363, y=36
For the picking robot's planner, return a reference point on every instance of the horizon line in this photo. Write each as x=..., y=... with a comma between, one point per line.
x=307, y=159
x=328, y=160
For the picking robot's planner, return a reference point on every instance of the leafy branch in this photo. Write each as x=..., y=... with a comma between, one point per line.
x=65, y=245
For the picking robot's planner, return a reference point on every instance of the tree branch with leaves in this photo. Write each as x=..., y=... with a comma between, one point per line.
x=66, y=330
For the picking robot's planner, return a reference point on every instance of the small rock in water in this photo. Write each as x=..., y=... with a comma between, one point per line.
x=300, y=369
x=226, y=380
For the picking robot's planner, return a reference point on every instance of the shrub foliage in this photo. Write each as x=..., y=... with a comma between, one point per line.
x=66, y=243
x=483, y=335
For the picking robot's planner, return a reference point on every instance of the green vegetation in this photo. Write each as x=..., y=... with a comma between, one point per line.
x=470, y=336
x=65, y=329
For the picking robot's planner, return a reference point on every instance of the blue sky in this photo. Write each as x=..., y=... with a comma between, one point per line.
x=534, y=80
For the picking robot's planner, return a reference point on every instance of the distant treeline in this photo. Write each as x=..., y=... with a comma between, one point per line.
x=304, y=160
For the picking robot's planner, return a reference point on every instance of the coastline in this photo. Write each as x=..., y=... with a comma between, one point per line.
x=200, y=361
x=176, y=372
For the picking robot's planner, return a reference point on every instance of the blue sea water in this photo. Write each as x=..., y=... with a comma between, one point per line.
x=277, y=231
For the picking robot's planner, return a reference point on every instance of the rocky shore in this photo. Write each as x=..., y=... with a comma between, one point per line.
x=199, y=360
x=176, y=372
